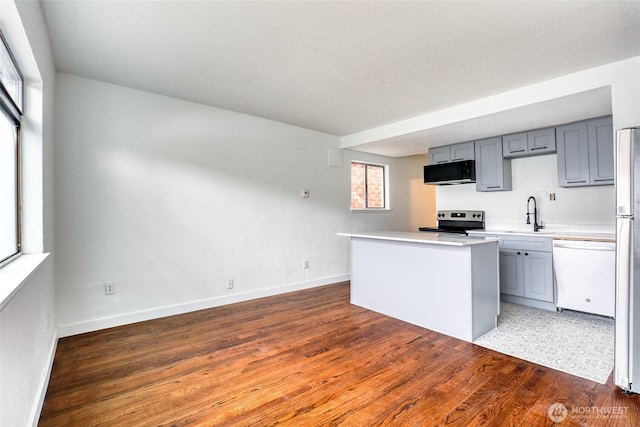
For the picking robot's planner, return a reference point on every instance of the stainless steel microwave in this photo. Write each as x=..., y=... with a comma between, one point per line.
x=463, y=172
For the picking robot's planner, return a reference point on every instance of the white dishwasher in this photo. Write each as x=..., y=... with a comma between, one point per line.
x=585, y=276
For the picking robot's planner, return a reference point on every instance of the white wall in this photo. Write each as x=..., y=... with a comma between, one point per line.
x=28, y=319
x=27, y=347
x=169, y=199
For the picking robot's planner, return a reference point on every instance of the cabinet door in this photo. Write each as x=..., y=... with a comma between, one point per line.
x=515, y=144
x=463, y=151
x=493, y=172
x=573, y=155
x=542, y=141
x=601, y=151
x=511, y=279
x=538, y=275
x=439, y=155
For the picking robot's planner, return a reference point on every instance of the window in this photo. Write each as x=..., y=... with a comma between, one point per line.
x=369, y=186
x=11, y=106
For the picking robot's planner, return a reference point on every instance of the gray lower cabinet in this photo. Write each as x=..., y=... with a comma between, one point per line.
x=493, y=171
x=527, y=274
x=538, y=275
x=585, y=153
x=511, y=272
x=524, y=272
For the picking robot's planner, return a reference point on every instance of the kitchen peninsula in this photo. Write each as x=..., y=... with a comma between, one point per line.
x=442, y=282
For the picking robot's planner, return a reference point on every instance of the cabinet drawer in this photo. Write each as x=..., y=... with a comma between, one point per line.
x=543, y=244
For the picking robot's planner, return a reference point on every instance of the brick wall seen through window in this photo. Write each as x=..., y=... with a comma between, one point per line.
x=367, y=186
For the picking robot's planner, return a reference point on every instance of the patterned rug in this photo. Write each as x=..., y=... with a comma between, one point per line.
x=576, y=343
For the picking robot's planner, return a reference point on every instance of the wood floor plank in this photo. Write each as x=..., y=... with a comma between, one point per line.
x=306, y=358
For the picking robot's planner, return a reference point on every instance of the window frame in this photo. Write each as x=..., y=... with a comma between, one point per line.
x=13, y=113
x=385, y=187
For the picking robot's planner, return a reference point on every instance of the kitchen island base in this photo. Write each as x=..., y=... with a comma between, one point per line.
x=451, y=289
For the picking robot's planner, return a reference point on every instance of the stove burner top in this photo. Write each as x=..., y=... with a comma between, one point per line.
x=442, y=230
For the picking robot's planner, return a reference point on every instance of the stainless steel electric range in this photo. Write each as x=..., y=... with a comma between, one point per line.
x=458, y=222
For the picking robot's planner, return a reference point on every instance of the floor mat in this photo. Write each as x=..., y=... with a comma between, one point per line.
x=576, y=343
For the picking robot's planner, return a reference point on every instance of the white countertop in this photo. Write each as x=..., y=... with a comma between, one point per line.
x=420, y=237
x=554, y=234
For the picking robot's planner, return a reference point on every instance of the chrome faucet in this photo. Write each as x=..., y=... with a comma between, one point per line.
x=536, y=226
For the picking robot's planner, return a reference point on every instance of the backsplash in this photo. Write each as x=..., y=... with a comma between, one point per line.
x=587, y=207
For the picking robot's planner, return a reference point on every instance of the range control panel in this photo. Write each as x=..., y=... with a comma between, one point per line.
x=460, y=216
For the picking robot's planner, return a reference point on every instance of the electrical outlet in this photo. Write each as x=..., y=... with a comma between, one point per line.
x=109, y=288
x=304, y=193
x=552, y=196
x=230, y=284
x=305, y=264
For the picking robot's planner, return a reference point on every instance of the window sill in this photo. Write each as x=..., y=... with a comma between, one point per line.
x=371, y=210
x=16, y=273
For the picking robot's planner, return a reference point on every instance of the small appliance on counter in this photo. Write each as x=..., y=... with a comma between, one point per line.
x=458, y=222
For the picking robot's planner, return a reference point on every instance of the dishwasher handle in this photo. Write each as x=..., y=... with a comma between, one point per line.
x=585, y=247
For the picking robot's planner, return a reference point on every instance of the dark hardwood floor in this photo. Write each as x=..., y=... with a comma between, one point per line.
x=308, y=358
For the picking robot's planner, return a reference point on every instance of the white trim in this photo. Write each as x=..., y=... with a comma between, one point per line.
x=109, y=322
x=44, y=383
x=371, y=210
x=16, y=273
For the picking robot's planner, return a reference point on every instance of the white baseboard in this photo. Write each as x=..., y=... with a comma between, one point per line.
x=109, y=322
x=44, y=382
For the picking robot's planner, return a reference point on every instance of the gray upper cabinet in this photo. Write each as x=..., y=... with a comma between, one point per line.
x=573, y=155
x=532, y=143
x=601, y=164
x=452, y=153
x=493, y=171
x=515, y=144
x=463, y=151
x=585, y=153
x=542, y=141
x=439, y=155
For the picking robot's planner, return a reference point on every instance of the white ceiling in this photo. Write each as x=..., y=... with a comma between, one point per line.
x=339, y=67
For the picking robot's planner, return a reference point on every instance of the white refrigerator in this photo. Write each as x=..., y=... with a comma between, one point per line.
x=627, y=335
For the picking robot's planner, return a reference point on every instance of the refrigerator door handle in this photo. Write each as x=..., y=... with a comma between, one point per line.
x=624, y=172
x=624, y=252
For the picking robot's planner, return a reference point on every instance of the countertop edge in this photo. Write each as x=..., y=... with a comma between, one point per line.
x=559, y=235
x=423, y=238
